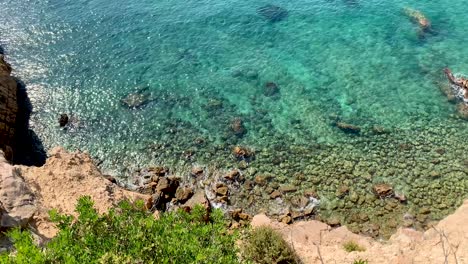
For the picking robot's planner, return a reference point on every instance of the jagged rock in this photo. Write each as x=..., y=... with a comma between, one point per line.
x=168, y=185
x=63, y=179
x=17, y=203
x=234, y=175
x=197, y=171
x=63, y=120
x=183, y=194
x=285, y=219
x=242, y=152
x=383, y=190
x=272, y=13
x=198, y=198
x=5, y=67
x=222, y=190
x=245, y=217
x=235, y=213
x=159, y=171
x=8, y=109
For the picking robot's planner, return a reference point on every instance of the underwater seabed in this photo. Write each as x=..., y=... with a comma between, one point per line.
x=332, y=97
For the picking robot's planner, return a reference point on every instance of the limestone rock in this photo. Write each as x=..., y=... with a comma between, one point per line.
x=64, y=178
x=17, y=203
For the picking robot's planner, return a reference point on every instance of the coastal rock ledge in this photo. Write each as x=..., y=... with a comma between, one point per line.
x=8, y=108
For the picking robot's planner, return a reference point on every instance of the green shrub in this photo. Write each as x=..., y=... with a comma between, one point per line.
x=360, y=261
x=265, y=246
x=351, y=246
x=130, y=234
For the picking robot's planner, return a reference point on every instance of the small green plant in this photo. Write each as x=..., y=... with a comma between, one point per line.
x=360, y=261
x=265, y=246
x=130, y=234
x=351, y=246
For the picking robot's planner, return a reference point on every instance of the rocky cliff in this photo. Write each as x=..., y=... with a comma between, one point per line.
x=8, y=108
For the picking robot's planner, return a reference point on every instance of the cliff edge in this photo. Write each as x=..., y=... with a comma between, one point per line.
x=8, y=108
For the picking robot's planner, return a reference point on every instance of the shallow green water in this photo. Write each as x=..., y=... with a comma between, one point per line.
x=207, y=62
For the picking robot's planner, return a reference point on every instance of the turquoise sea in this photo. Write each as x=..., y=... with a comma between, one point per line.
x=204, y=67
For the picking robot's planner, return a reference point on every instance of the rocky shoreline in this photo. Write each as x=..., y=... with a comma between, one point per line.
x=27, y=193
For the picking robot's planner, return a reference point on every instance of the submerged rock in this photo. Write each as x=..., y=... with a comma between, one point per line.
x=137, y=99
x=463, y=111
x=418, y=17
x=237, y=126
x=272, y=13
x=270, y=89
x=348, y=128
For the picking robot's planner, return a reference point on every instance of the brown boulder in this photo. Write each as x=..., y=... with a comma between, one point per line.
x=242, y=152
x=17, y=202
x=199, y=198
x=287, y=188
x=183, y=194
x=275, y=194
x=383, y=190
x=222, y=191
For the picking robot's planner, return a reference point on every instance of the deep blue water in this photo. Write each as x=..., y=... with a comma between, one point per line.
x=361, y=62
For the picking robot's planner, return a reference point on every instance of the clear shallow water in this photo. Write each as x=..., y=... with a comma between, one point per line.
x=361, y=62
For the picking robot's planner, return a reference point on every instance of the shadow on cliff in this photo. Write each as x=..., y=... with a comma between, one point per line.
x=29, y=149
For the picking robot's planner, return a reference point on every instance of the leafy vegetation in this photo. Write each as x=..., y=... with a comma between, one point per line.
x=351, y=246
x=361, y=261
x=265, y=246
x=130, y=234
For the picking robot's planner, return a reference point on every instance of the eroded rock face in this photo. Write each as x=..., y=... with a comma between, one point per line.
x=17, y=202
x=64, y=178
x=8, y=108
